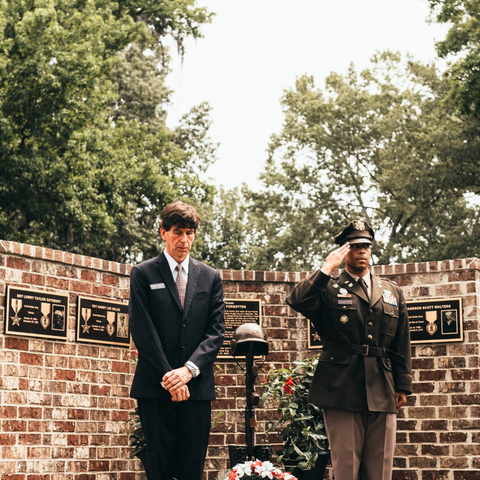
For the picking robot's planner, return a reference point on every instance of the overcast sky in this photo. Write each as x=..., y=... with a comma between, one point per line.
x=255, y=49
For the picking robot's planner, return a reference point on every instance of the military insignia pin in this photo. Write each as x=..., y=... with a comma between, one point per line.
x=344, y=319
x=389, y=298
x=358, y=225
x=343, y=291
x=335, y=285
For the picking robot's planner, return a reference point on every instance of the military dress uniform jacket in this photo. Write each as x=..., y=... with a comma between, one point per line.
x=366, y=356
x=167, y=336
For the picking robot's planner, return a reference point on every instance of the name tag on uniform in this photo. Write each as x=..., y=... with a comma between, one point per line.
x=157, y=286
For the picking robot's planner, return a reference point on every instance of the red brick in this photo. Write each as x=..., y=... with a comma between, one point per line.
x=16, y=343
x=110, y=279
x=453, y=437
x=33, y=279
x=16, y=263
x=80, y=287
x=465, y=475
x=88, y=275
x=67, y=375
x=30, y=412
x=99, y=466
x=7, y=439
x=14, y=425
x=31, y=359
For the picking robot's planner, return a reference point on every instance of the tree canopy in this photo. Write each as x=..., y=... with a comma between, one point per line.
x=377, y=145
x=87, y=162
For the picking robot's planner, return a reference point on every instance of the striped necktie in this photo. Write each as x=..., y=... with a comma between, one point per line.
x=181, y=284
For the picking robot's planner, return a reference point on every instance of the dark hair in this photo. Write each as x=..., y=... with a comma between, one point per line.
x=181, y=215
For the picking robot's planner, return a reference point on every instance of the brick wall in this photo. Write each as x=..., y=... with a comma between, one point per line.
x=64, y=405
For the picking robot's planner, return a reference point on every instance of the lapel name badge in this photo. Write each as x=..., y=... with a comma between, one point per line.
x=157, y=286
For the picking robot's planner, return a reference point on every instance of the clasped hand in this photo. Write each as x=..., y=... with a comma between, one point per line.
x=176, y=381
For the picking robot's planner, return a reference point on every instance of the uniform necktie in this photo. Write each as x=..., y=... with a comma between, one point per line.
x=181, y=284
x=362, y=284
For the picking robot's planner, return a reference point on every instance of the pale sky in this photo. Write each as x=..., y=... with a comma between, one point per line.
x=255, y=49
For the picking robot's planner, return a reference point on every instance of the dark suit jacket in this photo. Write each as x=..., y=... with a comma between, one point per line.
x=167, y=336
x=354, y=381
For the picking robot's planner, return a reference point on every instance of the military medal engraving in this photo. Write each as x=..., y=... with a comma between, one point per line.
x=431, y=318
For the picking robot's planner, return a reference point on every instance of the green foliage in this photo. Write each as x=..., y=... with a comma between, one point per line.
x=301, y=423
x=135, y=434
x=462, y=47
x=377, y=145
x=87, y=160
x=225, y=231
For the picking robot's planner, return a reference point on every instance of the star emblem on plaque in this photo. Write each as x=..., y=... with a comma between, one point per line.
x=16, y=306
x=86, y=312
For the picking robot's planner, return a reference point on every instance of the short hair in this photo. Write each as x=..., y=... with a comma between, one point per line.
x=181, y=215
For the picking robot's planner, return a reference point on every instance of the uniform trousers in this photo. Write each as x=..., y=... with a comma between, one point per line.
x=177, y=435
x=362, y=444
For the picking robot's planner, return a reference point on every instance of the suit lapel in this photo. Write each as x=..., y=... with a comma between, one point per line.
x=193, y=276
x=164, y=269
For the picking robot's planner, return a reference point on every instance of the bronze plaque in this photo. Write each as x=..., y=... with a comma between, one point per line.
x=238, y=312
x=104, y=322
x=431, y=321
x=435, y=321
x=36, y=313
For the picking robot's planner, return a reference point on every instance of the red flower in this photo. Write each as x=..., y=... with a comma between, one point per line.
x=258, y=463
x=287, y=386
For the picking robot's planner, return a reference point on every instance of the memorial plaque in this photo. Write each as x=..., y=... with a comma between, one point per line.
x=430, y=321
x=238, y=312
x=36, y=313
x=435, y=321
x=104, y=322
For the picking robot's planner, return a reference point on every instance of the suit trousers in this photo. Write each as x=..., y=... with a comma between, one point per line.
x=177, y=435
x=362, y=444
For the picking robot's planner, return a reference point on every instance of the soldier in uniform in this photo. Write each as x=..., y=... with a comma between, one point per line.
x=364, y=372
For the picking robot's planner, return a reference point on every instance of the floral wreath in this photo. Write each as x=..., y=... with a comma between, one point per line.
x=257, y=470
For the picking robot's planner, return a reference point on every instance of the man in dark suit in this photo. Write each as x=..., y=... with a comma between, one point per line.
x=364, y=373
x=177, y=323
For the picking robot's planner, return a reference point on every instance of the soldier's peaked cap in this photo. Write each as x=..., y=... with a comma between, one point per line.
x=357, y=231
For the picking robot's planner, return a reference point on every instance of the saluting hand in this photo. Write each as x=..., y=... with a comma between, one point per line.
x=335, y=259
